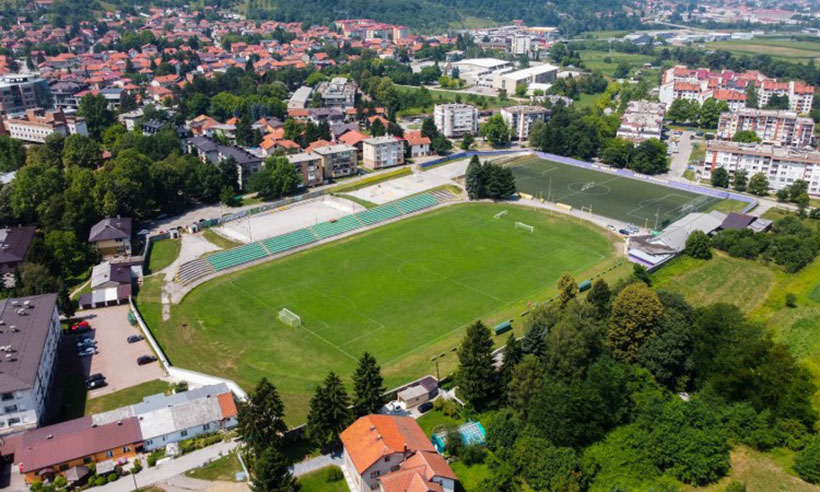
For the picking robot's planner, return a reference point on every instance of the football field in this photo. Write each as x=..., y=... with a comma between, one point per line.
x=642, y=203
x=404, y=292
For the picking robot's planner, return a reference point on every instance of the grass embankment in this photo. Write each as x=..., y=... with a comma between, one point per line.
x=371, y=180
x=364, y=203
x=436, y=272
x=222, y=469
x=124, y=397
x=219, y=241
x=163, y=253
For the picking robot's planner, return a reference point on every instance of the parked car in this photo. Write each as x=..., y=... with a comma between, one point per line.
x=625, y=232
x=81, y=344
x=87, y=351
x=135, y=338
x=425, y=407
x=97, y=383
x=94, y=377
x=81, y=327
x=145, y=359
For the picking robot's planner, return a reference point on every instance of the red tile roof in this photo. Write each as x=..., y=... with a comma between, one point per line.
x=374, y=436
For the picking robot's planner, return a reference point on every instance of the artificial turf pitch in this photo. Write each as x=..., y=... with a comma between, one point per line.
x=642, y=203
x=403, y=292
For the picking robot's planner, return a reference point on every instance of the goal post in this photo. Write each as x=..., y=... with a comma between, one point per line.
x=526, y=227
x=290, y=318
x=500, y=214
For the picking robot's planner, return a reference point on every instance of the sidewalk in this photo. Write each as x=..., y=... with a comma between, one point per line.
x=166, y=471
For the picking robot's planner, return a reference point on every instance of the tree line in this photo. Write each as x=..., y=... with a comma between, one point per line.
x=631, y=388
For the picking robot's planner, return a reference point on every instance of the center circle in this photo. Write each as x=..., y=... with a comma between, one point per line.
x=595, y=190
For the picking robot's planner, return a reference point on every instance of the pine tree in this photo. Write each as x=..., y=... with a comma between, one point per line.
x=476, y=375
x=512, y=356
x=271, y=473
x=533, y=341
x=367, y=386
x=329, y=412
x=261, y=417
x=474, y=179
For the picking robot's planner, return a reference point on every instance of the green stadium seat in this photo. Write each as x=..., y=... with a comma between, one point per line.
x=415, y=203
x=344, y=224
x=288, y=241
x=237, y=256
x=378, y=214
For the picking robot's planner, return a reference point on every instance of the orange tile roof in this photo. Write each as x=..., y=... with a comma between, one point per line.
x=352, y=137
x=415, y=138
x=317, y=144
x=228, y=405
x=686, y=86
x=374, y=436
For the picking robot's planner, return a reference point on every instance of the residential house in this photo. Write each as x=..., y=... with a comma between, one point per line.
x=29, y=340
x=212, y=151
x=772, y=127
x=14, y=243
x=392, y=454
x=36, y=125
x=53, y=451
x=419, y=146
x=112, y=236
x=165, y=419
x=338, y=93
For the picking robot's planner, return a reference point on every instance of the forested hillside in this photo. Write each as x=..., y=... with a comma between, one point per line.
x=426, y=15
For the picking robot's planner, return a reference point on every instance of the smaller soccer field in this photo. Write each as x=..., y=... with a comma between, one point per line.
x=642, y=203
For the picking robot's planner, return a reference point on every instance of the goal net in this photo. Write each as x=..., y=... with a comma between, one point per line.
x=290, y=318
x=500, y=214
x=521, y=225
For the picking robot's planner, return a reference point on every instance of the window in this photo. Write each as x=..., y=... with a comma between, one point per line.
x=14, y=421
x=184, y=433
x=206, y=427
x=374, y=474
x=109, y=454
x=126, y=449
x=7, y=396
x=64, y=467
x=86, y=460
x=387, y=459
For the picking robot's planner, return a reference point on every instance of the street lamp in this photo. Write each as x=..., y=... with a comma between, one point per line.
x=436, y=359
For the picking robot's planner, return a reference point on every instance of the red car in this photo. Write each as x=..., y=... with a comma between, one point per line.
x=80, y=327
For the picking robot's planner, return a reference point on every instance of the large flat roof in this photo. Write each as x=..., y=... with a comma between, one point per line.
x=27, y=339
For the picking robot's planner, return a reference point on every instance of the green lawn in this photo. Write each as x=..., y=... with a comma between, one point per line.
x=596, y=60
x=728, y=205
x=779, y=49
x=318, y=481
x=364, y=203
x=222, y=469
x=371, y=180
x=443, y=96
x=436, y=418
x=219, y=241
x=470, y=476
x=403, y=292
x=642, y=203
x=124, y=397
x=743, y=283
x=162, y=254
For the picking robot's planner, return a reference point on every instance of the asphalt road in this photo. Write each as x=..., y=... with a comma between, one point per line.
x=681, y=159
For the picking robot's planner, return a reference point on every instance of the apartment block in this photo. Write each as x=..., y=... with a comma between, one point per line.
x=781, y=165
x=29, y=340
x=454, y=120
x=384, y=151
x=309, y=165
x=784, y=128
x=338, y=93
x=21, y=92
x=521, y=118
x=36, y=125
x=642, y=120
x=338, y=160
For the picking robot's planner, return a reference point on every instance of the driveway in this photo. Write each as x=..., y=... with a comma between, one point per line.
x=117, y=359
x=681, y=159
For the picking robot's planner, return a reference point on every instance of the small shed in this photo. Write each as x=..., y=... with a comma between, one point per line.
x=416, y=394
x=585, y=285
x=503, y=327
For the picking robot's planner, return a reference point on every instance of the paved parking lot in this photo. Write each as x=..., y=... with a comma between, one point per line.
x=117, y=359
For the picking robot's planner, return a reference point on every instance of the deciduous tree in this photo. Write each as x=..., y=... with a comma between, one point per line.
x=636, y=312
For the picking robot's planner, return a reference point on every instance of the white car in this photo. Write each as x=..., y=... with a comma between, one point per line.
x=88, y=351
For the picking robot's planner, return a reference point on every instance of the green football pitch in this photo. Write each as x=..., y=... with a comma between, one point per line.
x=404, y=292
x=642, y=203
